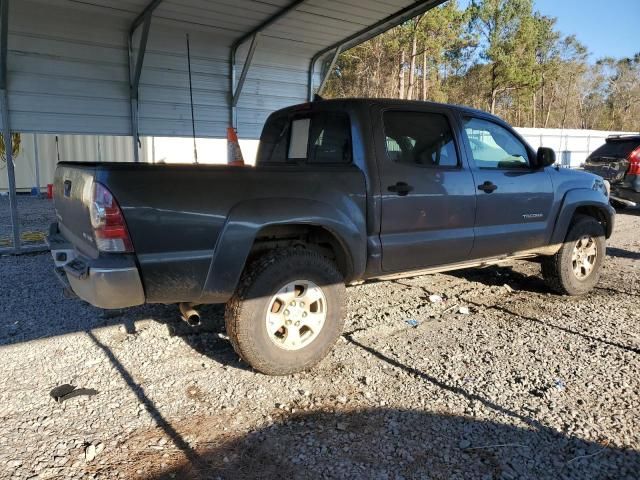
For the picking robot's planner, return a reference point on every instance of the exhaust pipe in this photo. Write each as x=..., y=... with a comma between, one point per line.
x=190, y=314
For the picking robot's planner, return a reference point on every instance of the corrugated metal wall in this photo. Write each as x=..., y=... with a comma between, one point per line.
x=68, y=62
x=68, y=72
x=73, y=148
x=90, y=148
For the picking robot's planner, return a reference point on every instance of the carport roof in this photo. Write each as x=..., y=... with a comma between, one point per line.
x=119, y=67
x=315, y=24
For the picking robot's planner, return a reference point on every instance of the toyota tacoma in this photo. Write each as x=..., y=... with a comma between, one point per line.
x=342, y=191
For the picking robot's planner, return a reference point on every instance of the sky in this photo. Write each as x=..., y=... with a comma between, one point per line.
x=607, y=27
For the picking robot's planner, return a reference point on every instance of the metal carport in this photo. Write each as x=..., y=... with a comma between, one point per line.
x=118, y=67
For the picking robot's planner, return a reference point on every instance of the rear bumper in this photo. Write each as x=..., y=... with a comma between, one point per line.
x=625, y=193
x=109, y=287
x=628, y=189
x=103, y=282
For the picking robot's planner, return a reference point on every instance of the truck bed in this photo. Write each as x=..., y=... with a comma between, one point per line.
x=176, y=213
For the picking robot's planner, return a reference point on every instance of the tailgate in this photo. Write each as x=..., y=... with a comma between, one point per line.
x=73, y=184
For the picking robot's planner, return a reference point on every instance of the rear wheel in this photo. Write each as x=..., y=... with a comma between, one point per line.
x=287, y=312
x=575, y=269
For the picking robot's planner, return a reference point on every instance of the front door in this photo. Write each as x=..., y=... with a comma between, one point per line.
x=514, y=198
x=428, y=196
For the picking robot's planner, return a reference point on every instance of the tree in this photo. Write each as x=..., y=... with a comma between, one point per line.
x=446, y=41
x=508, y=32
x=496, y=55
x=623, y=90
x=547, y=56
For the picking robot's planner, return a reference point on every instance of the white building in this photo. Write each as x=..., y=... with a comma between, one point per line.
x=572, y=147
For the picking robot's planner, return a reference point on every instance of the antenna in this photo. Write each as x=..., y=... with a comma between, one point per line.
x=193, y=120
x=57, y=149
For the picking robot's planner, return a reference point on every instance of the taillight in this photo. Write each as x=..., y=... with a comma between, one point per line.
x=634, y=162
x=107, y=221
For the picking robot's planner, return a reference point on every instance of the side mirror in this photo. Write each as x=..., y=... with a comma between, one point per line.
x=545, y=157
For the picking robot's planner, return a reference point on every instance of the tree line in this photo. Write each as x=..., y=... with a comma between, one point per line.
x=501, y=56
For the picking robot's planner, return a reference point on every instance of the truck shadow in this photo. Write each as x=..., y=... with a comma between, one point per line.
x=622, y=253
x=379, y=443
x=497, y=276
x=631, y=211
x=396, y=443
x=208, y=338
x=390, y=443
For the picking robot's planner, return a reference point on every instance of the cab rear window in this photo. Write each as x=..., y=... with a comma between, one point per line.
x=318, y=138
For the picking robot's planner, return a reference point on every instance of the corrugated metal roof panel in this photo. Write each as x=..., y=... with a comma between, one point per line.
x=68, y=61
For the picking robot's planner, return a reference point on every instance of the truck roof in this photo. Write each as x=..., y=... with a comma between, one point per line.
x=384, y=102
x=623, y=138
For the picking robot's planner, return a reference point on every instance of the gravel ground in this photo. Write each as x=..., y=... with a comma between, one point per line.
x=34, y=215
x=527, y=384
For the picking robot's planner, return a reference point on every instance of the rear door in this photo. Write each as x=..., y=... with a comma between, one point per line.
x=428, y=198
x=514, y=198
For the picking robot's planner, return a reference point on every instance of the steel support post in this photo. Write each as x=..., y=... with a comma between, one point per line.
x=327, y=72
x=235, y=91
x=36, y=156
x=135, y=69
x=414, y=9
x=6, y=125
x=133, y=103
x=8, y=144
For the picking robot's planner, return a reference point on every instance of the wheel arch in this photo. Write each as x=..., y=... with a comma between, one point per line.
x=304, y=222
x=305, y=235
x=582, y=202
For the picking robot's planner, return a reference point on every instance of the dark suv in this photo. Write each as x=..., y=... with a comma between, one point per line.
x=618, y=161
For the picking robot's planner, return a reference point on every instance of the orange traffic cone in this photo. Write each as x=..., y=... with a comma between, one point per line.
x=234, y=154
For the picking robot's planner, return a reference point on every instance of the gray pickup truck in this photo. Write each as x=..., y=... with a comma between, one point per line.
x=342, y=191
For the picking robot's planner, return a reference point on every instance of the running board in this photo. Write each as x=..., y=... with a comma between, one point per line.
x=484, y=262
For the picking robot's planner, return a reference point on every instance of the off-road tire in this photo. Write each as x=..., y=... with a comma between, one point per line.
x=557, y=270
x=246, y=311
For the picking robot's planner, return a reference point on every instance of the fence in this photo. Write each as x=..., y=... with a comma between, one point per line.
x=572, y=146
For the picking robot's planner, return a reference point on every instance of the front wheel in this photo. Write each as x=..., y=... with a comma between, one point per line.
x=287, y=312
x=575, y=269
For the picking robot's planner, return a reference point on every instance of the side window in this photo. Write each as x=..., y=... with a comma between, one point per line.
x=423, y=139
x=493, y=146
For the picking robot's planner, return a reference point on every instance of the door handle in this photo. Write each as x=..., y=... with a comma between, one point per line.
x=401, y=188
x=488, y=187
